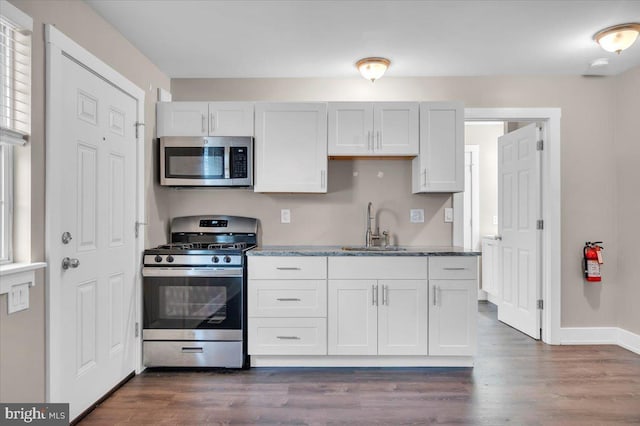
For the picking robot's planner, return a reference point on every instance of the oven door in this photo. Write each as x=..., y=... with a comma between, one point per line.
x=195, y=299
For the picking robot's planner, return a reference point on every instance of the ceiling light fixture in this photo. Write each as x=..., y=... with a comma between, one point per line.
x=617, y=38
x=372, y=68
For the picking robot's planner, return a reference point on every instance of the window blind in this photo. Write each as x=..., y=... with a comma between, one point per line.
x=15, y=80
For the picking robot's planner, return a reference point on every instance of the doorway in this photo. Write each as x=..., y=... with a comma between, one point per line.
x=549, y=184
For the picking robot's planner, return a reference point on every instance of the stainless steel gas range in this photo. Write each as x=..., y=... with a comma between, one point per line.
x=194, y=294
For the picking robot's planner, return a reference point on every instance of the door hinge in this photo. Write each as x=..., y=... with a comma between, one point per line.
x=137, y=125
x=540, y=304
x=540, y=224
x=137, y=329
x=540, y=145
x=138, y=224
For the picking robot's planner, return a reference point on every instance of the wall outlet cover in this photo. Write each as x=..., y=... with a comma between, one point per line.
x=416, y=215
x=448, y=215
x=285, y=216
x=18, y=298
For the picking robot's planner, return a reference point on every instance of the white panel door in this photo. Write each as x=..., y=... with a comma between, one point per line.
x=395, y=128
x=452, y=317
x=350, y=128
x=519, y=209
x=230, y=119
x=291, y=147
x=440, y=165
x=96, y=345
x=182, y=119
x=352, y=317
x=402, y=317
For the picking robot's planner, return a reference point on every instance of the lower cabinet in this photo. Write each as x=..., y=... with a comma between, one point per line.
x=288, y=336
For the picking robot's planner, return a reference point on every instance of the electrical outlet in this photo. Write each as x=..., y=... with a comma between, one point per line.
x=18, y=299
x=416, y=215
x=285, y=216
x=448, y=215
x=495, y=220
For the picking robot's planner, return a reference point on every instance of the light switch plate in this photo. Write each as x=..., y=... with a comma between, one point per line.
x=448, y=215
x=18, y=298
x=285, y=216
x=416, y=216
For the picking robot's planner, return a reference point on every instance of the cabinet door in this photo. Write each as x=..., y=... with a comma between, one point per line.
x=352, y=317
x=395, y=128
x=350, y=128
x=231, y=119
x=440, y=165
x=291, y=147
x=402, y=317
x=182, y=119
x=453, y=308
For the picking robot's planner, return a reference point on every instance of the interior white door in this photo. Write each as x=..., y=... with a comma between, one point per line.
x=94, y=340
x=519, y=210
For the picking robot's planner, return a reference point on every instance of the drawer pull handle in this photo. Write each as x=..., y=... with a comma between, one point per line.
x=192, y=350
x=454, y=269
x=288, y=337
x=287, y=268
x=288, y=299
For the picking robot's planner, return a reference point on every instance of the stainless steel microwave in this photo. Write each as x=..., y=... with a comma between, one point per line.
x=206, y=161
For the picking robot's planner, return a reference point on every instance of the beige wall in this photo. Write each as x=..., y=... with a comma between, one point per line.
x=627, y=148
x=485, y=135
x=19, y=357
x=587, y=137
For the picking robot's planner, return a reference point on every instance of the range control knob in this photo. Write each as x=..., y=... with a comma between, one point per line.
x=227, y=259
x=169, y=258
x=158, y=258
x=215, y=259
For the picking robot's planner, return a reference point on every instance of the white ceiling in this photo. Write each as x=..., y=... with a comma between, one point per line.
x=324, y=38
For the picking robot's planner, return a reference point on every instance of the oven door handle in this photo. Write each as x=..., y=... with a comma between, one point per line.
x=192, y=272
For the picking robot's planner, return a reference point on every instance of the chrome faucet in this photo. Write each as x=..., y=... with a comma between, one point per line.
x=370, y=236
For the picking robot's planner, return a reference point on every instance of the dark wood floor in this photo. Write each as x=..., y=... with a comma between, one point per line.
x=516, y=381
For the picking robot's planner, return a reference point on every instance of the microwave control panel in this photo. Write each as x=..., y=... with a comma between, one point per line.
x=239, y=160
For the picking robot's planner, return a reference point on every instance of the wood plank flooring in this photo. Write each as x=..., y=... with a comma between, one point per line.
x=516, y=381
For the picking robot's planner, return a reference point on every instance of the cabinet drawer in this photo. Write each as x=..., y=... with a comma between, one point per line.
x=287, y=336
x=287, y=298
x=287, y=267
x=453, y=267
x=378, y=268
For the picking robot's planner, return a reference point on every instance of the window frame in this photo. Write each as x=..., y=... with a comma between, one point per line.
x=6, y=206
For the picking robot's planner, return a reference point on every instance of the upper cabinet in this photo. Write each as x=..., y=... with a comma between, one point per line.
x=205, y=119
x=440, y=165
x=373, y=128
x=291, y=147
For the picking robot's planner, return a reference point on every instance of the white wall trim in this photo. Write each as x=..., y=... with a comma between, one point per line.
x=551, y=202
x=58, y=45
x=601, y=336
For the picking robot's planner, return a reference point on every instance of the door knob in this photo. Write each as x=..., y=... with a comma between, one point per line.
x=70, y=263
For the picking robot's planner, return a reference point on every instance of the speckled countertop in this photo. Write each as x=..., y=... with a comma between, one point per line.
x=338, y=251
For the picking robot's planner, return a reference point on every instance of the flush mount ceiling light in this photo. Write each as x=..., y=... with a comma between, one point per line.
x=617, y=38
x=372, y=68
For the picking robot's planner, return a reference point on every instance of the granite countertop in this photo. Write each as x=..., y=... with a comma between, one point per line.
x=338, y=251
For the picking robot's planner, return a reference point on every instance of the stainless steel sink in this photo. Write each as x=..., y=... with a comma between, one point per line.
x=363, y=248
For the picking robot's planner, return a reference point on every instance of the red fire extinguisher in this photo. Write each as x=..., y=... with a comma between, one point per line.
x=592, y=261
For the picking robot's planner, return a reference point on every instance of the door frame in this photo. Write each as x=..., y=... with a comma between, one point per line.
x=475, y=191
x=58, y=45
x=551, y=207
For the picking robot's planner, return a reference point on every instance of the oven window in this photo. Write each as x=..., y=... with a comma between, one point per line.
x=192, y=303
x=194, y=163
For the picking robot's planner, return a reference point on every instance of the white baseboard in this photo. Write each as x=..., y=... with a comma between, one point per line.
x=600, y=336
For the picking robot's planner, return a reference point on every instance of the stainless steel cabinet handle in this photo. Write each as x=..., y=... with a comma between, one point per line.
x=203, y=124
x=385, y=296
x=373, y=295
x=194, y=350
x=454, y=269
x=70, y=263
x=212, y=122
x=424, y=177
x=369, y=140
x=288, y=337
x=288, y=299
x=287, y=268
x=435, y=296
x=379, y=140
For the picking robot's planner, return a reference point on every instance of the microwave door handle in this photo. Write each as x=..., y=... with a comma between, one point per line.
x=227, y=152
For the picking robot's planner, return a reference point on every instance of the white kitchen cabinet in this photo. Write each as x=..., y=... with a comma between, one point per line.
x=490, y=267
x=373, y=129
x=291, y=147
x=440, y=165
x=453, y=306
x=377, y=306
x=205, y=119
